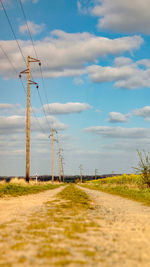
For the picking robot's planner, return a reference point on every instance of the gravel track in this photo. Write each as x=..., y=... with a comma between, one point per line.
x=13, y=207
x=120, y=236
x=125, y=230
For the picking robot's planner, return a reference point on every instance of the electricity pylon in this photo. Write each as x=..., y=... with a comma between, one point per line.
x=80, y=172
x=96, y=173
x=28, y=71
x=53, y=130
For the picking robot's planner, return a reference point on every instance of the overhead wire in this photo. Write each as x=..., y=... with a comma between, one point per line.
x=30, y=35
x=9, y=22
x=15, y=70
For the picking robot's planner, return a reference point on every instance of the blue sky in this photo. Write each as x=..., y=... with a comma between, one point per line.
x=95, y=59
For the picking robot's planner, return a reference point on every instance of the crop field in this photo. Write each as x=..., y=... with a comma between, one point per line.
x=130, y=186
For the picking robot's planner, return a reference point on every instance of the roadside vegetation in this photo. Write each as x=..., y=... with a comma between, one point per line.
x=18, y=187
x=130, y=186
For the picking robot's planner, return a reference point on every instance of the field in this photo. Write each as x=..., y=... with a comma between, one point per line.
x=18, y=187
x=129, y=186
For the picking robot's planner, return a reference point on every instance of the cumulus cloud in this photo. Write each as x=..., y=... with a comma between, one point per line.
x=124, y=72
x=65, y=54
x=67, y=108
x=118, y=117
x=17, y=109
x=142, y=112
x=17, y=124
x=123, y=16
x=34, y=28
x=33, y=1
x=119, y=132
x=78, y=81
x=83, y=6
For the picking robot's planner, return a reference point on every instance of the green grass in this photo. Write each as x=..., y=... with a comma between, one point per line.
x=19, y=190
x=128, y=186
x=75, y=196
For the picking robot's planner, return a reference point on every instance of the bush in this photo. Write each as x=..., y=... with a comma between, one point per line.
x=144, y=167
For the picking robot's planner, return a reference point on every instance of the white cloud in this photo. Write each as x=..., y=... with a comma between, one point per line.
x=118, y=117
x=125, y=73
x=17, y=109
x=97, y=110
x=65, y=54
x=33, y=1
x=83, y=6
x=123, y=16
x=142, y=112
x=78, y=81
x=34, y=28
x=119, y=132
x=17, y=124
x=67, y=108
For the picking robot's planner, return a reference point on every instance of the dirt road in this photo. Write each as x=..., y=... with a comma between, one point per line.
x=37, y=230
x=124, y=238
x=12, y=208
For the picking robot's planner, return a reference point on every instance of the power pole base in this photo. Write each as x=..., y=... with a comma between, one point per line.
x=27, y=179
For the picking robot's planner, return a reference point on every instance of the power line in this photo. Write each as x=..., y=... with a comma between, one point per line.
x=30, y=35
x=13, y=31
x=27, y=27
x=21, y=50
x=15, y=70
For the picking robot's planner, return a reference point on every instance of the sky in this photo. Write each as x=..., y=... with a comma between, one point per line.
x=94, y=84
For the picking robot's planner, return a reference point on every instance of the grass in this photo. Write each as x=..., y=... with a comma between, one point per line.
x=21, y=189
x=75, y=196
x=129, y=186
x=66, y=220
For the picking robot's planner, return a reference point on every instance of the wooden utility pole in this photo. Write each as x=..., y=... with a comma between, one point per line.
x=28, y=126
x=53, y=140
x=95, y=174
x=80, y=172
x=59, y=164
x=52, y=155
x=62, y=168
x=27, y=71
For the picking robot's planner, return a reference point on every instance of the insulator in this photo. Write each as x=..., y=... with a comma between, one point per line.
x=39, y=63
x=37, y=87
x=19, y=75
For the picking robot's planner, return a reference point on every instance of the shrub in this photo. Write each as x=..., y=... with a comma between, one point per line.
x=144, y=167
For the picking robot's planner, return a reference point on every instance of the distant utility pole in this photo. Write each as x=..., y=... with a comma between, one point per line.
x=53, y=130
x=27, y=71
x=96, y=173
x=62, y=168
x=80, y=172
x=59, y=153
